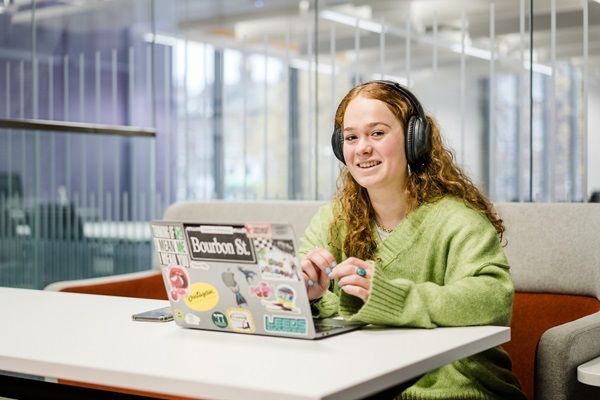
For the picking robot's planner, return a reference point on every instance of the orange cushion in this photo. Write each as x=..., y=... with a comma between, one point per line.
x=533, y=314
x=148, y=287
x=121, y=390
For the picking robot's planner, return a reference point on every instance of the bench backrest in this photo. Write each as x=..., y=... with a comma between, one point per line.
x=551, y=247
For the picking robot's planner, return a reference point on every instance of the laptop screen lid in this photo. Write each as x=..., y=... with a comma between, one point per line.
x=243, y=278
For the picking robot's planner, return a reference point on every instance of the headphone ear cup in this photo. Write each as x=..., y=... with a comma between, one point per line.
x=417, y=141
x=337, y=144
x=410, y=141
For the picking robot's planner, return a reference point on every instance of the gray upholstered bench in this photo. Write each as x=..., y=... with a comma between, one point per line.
x=554, y=253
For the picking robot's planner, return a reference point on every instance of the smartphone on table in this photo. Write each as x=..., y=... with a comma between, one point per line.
x=163, y=314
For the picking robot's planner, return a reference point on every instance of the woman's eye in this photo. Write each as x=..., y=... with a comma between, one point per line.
x=349, y=138
x=377, y=133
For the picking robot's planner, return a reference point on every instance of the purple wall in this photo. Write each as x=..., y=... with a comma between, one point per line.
x=91, y=164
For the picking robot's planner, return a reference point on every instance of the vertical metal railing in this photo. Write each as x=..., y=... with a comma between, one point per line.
x=492, y=104
x=266, y=144
x=584, y=106
x=550, y=151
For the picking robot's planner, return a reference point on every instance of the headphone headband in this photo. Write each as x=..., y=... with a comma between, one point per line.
x=412, y=99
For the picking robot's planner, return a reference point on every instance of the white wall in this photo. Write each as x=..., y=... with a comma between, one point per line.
x=440, y=95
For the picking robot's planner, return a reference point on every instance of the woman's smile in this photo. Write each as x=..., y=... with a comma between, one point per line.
x=369, y=164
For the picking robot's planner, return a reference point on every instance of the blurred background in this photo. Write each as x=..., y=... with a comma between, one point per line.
x=112, y=110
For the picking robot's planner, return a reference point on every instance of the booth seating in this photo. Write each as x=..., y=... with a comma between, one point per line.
x=554, y=254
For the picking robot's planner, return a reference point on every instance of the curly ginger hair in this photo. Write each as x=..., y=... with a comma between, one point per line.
x=437, y=177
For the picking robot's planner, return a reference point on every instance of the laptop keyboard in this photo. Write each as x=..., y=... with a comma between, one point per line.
x=325, y=325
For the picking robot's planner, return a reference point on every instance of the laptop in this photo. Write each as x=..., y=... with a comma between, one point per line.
x=242, y=278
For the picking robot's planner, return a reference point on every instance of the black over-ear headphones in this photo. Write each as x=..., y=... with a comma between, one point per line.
x=417, y=132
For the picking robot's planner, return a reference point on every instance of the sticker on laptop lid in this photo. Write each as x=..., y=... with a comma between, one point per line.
x=170, y=246
x=225, y=243
x=228, y=278
x=178, y=281
x=263, y=244
x=173, y=259
x=250, y=275
x=283, y=230
x=178, y=233
x=285, y=300
x=219, y=319
x=192, y=319
x=240, y=320
x=202, y=297
x=167, y=232
x=178, y=315
x=259, y=231
x=199, y=265
x=279, y=265
x=285, y=324
x=162, y=231
x=285, y=245
x=263, y=290
x=168, y=258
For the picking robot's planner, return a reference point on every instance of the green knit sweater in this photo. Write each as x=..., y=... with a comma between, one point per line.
x=442, y=266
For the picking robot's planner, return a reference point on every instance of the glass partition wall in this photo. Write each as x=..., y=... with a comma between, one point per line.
x=110, y=111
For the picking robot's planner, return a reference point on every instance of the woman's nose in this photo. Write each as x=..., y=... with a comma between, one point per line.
x=363, y=145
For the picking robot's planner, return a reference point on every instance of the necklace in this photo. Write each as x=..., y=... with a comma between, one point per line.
x=386, y=230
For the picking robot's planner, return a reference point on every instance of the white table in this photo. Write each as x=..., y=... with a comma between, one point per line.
x=589, y=373
x=90, y=338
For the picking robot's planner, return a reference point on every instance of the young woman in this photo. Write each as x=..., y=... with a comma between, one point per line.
x=409, y=240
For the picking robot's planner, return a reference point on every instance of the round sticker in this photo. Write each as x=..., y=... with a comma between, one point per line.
x=219, y=319
x=202, y=297
x=240, y=320
x=178, y=281
x=178, y=314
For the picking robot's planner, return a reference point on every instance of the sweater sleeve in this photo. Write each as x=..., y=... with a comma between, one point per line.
x=317, y=235
x=475, y=288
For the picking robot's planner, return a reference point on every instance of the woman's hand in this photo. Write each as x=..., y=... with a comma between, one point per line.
x=315, y=268
x=354, y=277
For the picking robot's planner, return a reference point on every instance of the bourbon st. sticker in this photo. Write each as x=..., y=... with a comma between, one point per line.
x=219, y=243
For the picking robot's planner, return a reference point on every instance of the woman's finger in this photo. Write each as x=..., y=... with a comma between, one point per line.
x=322, y=259
x=350, y=266
x=316, y=281
x=355, y=280
x=310, y=271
